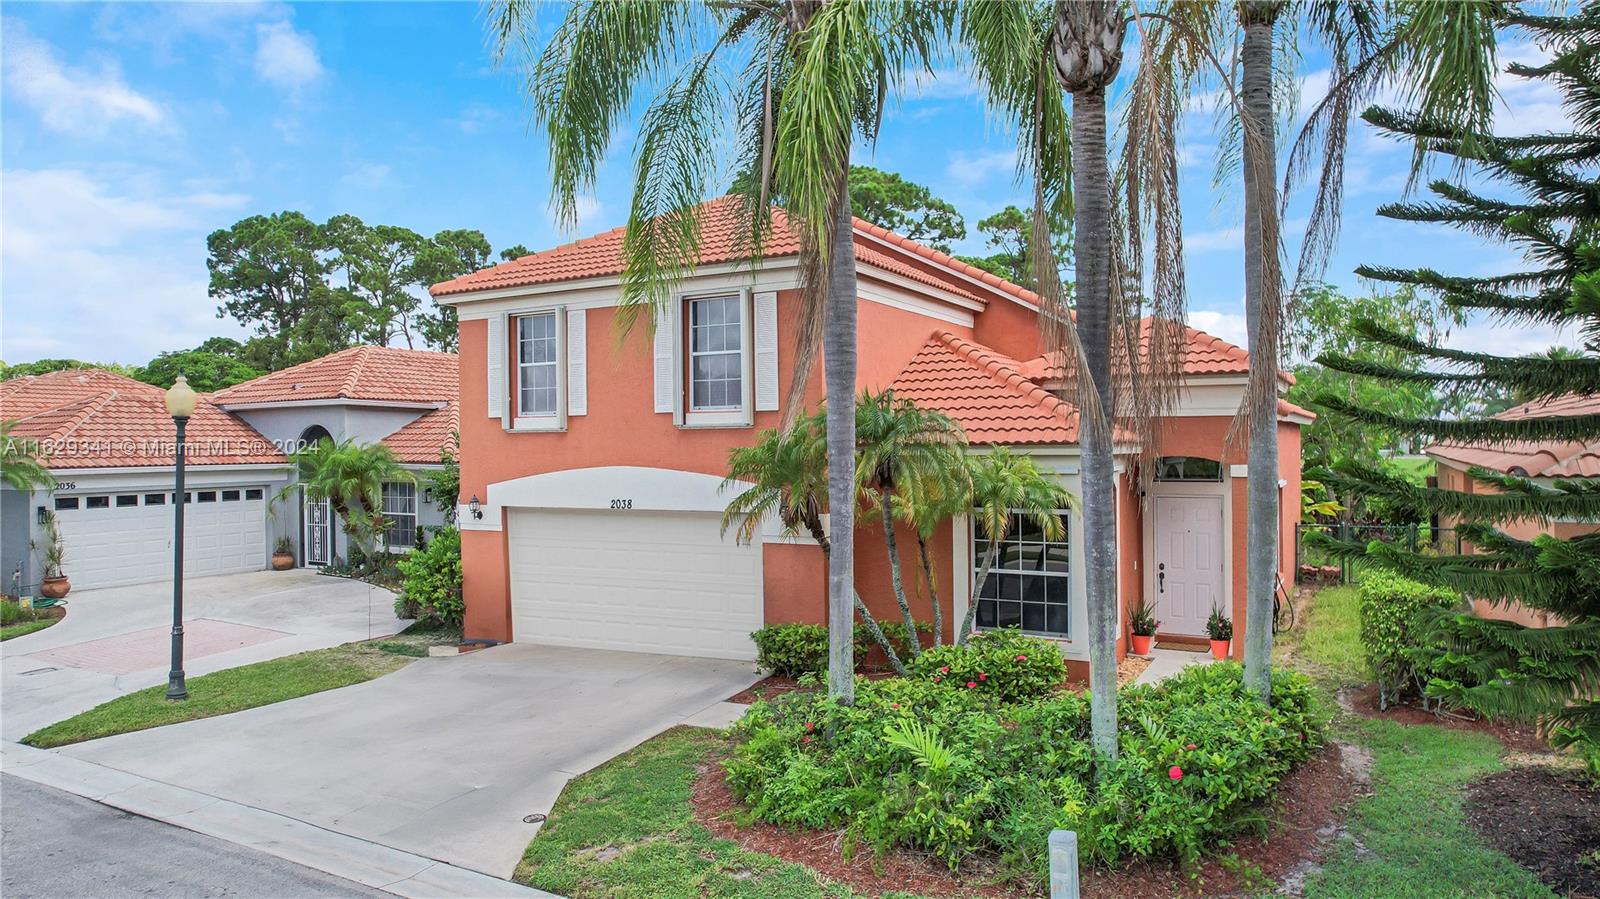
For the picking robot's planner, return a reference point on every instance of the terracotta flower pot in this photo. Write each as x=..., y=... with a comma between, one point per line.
x=1219, y=649
x=1141, y=643
x=56, y=587
x=282, y=561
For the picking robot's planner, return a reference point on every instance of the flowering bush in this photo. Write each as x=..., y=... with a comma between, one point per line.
x=797, y=649
x=1003, y=664
x=955, y=772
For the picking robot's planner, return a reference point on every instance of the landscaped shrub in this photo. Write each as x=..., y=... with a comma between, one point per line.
x=431, y=586
x=956, y=772
x=1390, y=630
x=1002, y=663
x=793, y=650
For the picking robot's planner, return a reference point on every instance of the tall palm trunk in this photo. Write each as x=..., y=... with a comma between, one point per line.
x=839, y=369
x=933, y=588
x=871, y=623
x=1262, y=310
x=978, y=584
x=1092, y=231
x=896, y=577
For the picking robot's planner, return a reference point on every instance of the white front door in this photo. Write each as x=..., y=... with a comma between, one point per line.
x=662, y=582
x=1188, y=563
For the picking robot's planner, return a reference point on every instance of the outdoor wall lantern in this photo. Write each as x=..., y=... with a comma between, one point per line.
x=475, y=507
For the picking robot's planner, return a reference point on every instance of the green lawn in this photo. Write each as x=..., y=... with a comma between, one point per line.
x=626, y=830
x=22, y=629
x=15, y=621
x=1327, y=641
x=226, y=691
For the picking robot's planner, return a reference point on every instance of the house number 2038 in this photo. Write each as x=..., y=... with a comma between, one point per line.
x=622, y=504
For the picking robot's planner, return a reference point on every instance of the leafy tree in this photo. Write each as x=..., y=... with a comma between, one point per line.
x=1009, y=234
x=515, y=251
x=1501, y=668
x=206, y=371
x=904, y=207
x=904, y=452
x=269, y=272
x=23, y=461
x=797, y=83
x=446, y=481
x=350, y=476
x=46, y=366
x=377, y=262
x=449, y=255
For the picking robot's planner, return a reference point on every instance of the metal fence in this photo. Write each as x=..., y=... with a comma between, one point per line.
x=1313, y=565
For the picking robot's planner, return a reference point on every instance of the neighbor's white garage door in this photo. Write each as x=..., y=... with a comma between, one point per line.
x=113, y=539
x=665, y=582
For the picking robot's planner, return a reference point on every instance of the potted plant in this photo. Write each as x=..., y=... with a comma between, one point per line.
x=53, y=553
x=1220, y=629
x=282, y=555
x=1142, y=624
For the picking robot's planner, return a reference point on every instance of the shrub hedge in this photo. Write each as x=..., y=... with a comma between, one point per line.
x=1390, y=631
x=1005, y=663
x=961, y=772
x=799, y=649
x=430, y=589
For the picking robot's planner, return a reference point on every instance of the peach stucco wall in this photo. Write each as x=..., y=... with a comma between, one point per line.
x=622, y=428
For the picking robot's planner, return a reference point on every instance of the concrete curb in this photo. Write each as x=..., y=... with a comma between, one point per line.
x=364, y=862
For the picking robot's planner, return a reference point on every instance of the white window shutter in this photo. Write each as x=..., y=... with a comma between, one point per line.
x=577, y=363
x=496, y=357
x=766, y=345
x=665, y=367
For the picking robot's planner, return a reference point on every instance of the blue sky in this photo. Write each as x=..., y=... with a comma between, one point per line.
x=129, y=132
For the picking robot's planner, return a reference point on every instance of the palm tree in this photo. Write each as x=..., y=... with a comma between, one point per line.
x=1006, y=487
x=902, y=451
x=926, y=503
x=795, y=82
x=21, y=461
x=785, y=473
x=350, y=477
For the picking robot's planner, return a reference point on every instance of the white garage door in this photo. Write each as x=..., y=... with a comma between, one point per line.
x=663, y=582
x=113, y=539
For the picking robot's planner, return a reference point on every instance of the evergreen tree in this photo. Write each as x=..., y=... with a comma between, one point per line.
x=1539, y=194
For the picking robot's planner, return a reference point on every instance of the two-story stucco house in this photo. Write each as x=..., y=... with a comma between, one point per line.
x=597, y=458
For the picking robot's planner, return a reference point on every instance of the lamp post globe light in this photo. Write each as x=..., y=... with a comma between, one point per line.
x=180, y=405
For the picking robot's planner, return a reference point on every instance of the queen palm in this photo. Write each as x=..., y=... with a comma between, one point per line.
x=350, y=477
x=794, y=82
x=785, y=475
x=926, y=502
x=22, y=461
x=1007, y=487
x=903, y=451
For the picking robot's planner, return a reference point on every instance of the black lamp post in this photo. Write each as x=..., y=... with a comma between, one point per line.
x=180, y=405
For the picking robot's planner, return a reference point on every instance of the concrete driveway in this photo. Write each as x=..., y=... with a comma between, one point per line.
x=444, y=757
x=115, y=640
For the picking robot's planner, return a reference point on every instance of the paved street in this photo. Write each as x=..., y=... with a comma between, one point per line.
x=54, y=844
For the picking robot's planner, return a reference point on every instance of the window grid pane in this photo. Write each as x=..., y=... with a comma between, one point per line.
x=716, y=346
x=400, y=511
x=537, y=352
x=1029, y=586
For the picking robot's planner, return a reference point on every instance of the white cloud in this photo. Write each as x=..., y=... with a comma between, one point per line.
x=71, y=100
x=1231, y=239
x=286, y=57
x=476, y=117
x=368, y=177
x=82, y=256
x=1528, y=105
x=975, y=168
x=1230, y=326
x=942, y=84
x=1485, y=336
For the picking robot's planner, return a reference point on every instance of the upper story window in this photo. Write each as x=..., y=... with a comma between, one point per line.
x=716, y=354
x=538, y=384
x=1188, y=468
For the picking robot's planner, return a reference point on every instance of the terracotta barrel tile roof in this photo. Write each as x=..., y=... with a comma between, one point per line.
x=374, y=373
x=1538, y=459
x=986, y=393
x=1203, y=354
x=420, y=441
x=97, y=419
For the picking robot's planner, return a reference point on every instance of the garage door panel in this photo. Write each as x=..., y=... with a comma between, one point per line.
x=122, y=545
x=643, y=581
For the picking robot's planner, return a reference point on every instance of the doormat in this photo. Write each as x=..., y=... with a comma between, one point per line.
x=1183, y=647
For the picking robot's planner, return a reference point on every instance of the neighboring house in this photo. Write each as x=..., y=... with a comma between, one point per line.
x=1543, y=461
x=597, y=459
x=110, y=446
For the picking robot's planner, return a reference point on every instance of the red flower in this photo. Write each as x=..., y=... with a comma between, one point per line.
x=1175, y=773
x=982, y=676
x=811, y=725
x=1191, y=747
x=937, y=678
x=1022, y=658
x=894, y=705
x=808, y=740
x=971, y=684
x=945, y=670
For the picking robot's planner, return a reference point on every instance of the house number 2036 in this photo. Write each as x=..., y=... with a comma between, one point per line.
x=622, y=504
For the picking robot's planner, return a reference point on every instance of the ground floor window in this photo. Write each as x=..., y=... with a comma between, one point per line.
x=1030, y=584
x=400, y=513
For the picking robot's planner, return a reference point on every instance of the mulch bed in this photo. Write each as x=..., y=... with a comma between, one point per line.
x=1516, y=737
x=1546, y=820
x=1312, y=800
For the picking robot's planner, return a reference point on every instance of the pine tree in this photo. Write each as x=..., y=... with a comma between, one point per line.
x=1538, y=194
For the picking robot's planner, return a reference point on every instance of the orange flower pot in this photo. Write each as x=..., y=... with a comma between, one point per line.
x=1141, y=644
x=1219, y=649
